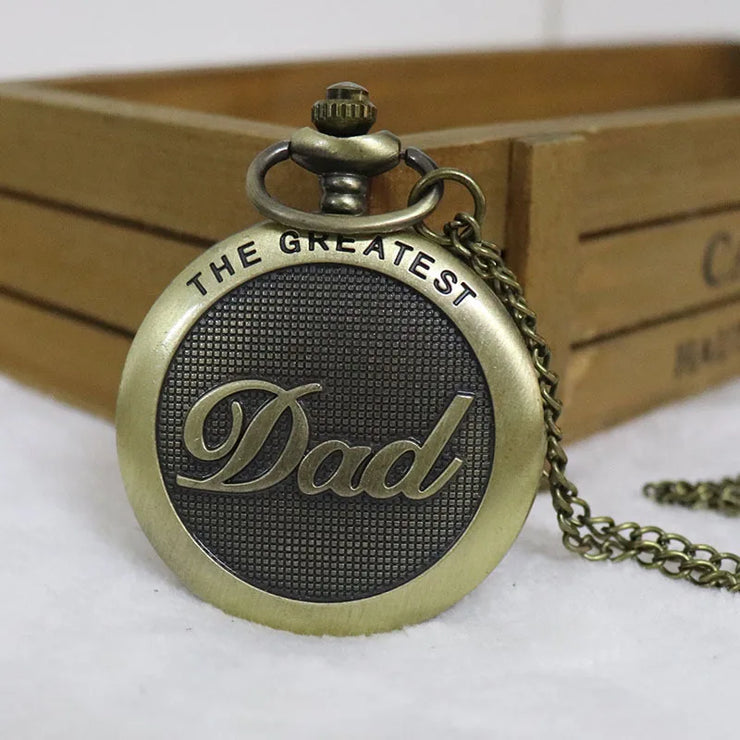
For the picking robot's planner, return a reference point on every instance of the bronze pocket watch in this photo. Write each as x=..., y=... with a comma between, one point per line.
x=336, y=422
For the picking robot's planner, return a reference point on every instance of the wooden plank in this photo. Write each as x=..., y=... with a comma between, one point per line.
x=184, y=171
x=639, y=165
x=613, y=380
x=105, y=270
x=629, y=278
x=487, y=160
x=439, y=91
x=542, y=238
x=75, y=361
x=177, y=170
x=115, y=179
x=654, y=169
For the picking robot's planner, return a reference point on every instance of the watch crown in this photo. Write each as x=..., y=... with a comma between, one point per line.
x=346, y=111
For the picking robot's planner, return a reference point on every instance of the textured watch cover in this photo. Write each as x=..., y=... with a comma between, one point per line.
x=377, y=389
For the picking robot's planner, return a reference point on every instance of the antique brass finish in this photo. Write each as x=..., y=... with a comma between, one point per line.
x=437, y=176
x=318, y=531
x=383, y=223
x=217, y=445
x=346, y=110
x=243, y=448
x=518, y=454
x=341, y=152
x=600, y=537
x=344, y=165
x=344, y=156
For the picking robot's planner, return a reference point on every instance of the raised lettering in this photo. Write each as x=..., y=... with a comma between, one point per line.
x=253, y=438
x=344, y=463
x=225, y=266
x=341, y=479
x=443, y=284
x=245, y=251
x=195, y=281
x=420, y=264
x=290, y=242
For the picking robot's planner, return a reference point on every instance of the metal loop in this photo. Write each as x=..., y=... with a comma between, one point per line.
x=433, y=178
x=382, y=223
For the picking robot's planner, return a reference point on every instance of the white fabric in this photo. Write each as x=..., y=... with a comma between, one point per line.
x=99, y=640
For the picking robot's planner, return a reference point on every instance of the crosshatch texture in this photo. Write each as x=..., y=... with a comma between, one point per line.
x=389, y=362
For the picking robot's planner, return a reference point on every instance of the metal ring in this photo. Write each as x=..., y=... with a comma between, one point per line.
x=435, y=177
x=383, y=223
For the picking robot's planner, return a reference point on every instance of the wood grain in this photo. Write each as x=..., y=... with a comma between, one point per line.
x=74, y=361
x=661, y=167
x=613, y=380
x=106, y=271
x=638, y=276
x=639, y=166
x=425, y=92
x=184, y=171
x=607, y=382
x=178, y=170
x=542, y=238
x=171, y=169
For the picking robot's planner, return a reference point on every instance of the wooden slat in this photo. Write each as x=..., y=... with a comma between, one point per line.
x=75, y=361
x=662, y=167
x=448, y=90
x=184, y=171
x=640, y=165
x=178, y=170
x=654, y=166
x=104, y=270
x=542, y=238
x=181, y=171
x=630, y=278
x=487, y=160
x=613, y=380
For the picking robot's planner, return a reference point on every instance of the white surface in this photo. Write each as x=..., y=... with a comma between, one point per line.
x=99, y=640
x=58, y=37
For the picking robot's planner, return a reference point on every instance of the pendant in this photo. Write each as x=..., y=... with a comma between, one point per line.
x=328, y=423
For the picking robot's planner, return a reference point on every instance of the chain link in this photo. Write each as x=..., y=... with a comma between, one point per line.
x=600, y=537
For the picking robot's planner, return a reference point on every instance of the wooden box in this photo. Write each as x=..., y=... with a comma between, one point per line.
x=613, y=178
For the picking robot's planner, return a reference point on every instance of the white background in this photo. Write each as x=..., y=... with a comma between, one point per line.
x=99, y=640
x=47, y=37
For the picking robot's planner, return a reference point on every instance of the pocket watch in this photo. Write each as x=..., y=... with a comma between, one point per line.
x=336, y=422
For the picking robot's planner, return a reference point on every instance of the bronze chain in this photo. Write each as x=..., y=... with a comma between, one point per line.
x=600, y=537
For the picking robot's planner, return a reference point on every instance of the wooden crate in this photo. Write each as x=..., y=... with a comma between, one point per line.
x=613, y=178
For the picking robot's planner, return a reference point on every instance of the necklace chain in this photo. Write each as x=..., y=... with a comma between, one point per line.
x=600, y=537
